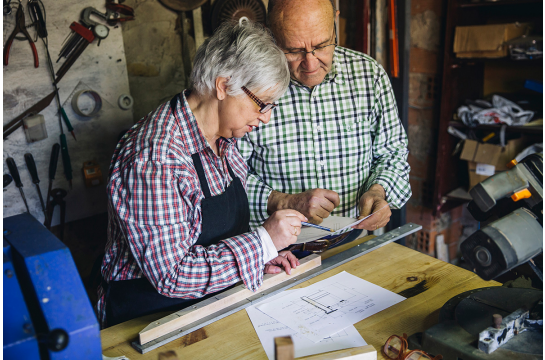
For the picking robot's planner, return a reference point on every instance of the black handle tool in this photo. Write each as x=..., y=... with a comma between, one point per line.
x=15, y=175
x=52, y=171
x=31, y=165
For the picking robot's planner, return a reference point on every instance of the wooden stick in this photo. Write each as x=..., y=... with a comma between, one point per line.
x=366, y=352
x=283, y=348
x=222, y=300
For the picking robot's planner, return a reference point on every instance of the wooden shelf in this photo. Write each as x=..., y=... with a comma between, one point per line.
x=483, y=3
x=507, y=59
x=520, y=129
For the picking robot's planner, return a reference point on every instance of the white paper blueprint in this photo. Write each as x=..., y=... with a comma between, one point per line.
x=330, y=305
x=268, y=328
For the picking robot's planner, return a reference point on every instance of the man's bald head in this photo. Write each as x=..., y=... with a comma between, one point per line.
x=280, y=12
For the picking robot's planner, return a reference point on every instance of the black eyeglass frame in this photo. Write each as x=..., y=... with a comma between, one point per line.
x=304, y=53
x=263, y=107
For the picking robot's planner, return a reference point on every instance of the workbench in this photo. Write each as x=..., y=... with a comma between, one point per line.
x=426, y=282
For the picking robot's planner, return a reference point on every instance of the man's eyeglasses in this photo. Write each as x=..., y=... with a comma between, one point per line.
x=317, y=52
x=396, y=348
x=263, y=108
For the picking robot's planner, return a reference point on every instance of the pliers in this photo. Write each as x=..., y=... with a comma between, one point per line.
x=20, y=27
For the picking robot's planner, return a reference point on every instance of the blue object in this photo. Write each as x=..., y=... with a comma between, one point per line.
x=534, y=85
x=315, y=226
x=50, y=292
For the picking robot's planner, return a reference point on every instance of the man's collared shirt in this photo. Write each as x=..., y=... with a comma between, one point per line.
x=154, y=208
x=343, y=135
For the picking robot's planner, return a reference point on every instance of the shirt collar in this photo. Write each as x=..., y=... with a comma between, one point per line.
x=191, y=135
x=335, y=74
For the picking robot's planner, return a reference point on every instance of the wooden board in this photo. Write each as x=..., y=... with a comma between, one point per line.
x=366, y=352
x=426, y=282
x=207, y=307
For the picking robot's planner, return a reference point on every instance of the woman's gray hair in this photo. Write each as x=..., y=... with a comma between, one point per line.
x=246, y=53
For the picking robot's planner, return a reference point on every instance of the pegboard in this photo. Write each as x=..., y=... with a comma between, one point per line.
x=100, y=68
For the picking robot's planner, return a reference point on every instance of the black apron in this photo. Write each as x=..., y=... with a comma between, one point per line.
x=223, y=216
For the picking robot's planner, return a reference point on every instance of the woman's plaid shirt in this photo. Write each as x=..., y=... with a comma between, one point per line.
x=154, y=198
x=343, y=135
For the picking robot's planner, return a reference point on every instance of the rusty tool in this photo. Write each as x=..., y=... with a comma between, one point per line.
x=52, y=171
x=20, y=27
x=34, y=109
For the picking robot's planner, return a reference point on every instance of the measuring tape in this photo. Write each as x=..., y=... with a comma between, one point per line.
x=85, y=110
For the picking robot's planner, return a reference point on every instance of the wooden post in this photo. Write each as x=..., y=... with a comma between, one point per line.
x=283, y=348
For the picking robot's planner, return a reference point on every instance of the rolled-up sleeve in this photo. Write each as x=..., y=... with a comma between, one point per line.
x=160, y=216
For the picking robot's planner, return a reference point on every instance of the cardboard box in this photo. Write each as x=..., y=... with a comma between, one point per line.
x=484, y=160
x=486, y=41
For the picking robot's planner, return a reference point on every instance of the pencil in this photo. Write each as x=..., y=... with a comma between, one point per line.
x=316, y=226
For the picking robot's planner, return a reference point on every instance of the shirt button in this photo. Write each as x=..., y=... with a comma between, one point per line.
x=319, y=127
x=322, y=163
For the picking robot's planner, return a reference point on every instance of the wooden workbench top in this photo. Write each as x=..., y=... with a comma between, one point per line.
x=426, y=282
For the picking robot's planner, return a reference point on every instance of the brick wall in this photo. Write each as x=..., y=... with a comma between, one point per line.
x=425, y=64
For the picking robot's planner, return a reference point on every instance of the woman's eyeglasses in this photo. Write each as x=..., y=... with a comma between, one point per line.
x=263, y=108
x=396, y=348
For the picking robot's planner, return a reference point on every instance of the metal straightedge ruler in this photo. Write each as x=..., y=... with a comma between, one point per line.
x=327, y=264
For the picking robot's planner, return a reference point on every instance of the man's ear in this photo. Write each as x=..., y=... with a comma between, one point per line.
x=337, y=15
x=221, y=87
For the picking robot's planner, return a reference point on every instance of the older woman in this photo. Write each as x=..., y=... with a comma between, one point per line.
x=178, y=212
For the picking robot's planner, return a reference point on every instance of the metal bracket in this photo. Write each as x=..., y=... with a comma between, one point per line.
x=327, y=264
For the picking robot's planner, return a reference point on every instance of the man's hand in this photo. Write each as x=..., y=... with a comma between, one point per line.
x=284, y=259
x=371, y=201
x=315, y=204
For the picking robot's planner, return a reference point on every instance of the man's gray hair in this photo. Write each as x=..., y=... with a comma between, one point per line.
x=246, y=53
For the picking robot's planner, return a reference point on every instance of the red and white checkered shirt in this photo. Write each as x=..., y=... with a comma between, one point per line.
x=154, y=208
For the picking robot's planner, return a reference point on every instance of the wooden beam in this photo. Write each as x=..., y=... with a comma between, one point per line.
x=283, y=348
x=222, y=300
x=366, y=352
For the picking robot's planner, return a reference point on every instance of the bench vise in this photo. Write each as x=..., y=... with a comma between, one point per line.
x=47, y=314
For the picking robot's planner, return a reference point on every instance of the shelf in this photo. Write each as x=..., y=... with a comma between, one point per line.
x=497, y=3
x=472, y=61
x=520, y=129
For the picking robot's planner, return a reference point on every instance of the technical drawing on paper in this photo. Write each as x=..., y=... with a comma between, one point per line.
x=328, y=302
x=330, y=305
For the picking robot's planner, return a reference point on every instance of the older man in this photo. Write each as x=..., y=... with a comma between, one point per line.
x=336, y=144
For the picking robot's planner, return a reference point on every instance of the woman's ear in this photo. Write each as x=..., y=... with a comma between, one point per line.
x=221, y=87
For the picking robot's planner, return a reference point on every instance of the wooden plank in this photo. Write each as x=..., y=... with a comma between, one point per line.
x=194, y=313
x=393, y=267
x=283, y=348
x=366, y=352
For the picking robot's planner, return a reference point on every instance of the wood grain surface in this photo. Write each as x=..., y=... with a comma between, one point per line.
x=426, y=282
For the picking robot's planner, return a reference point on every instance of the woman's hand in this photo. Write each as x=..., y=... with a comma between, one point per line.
x=283, y=227
x=284, y=259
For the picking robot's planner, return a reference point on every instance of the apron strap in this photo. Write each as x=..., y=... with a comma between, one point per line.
x=200, y=172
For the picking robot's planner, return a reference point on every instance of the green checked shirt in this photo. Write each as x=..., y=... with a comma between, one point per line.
x=343, y=135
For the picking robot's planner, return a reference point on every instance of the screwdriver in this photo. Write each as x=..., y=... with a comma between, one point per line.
x=31, y=165
x=15, y=175
x=52, y=171
x=66, y=160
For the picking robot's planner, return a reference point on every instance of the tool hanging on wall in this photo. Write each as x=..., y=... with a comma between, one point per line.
x=20, y=27
x=15, y=175
x=34, y=109
x=52, y=171
x=85, y=32
x=31, y=165
x=58, y=196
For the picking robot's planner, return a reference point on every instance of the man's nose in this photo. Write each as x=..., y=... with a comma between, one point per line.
x=310, y=61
